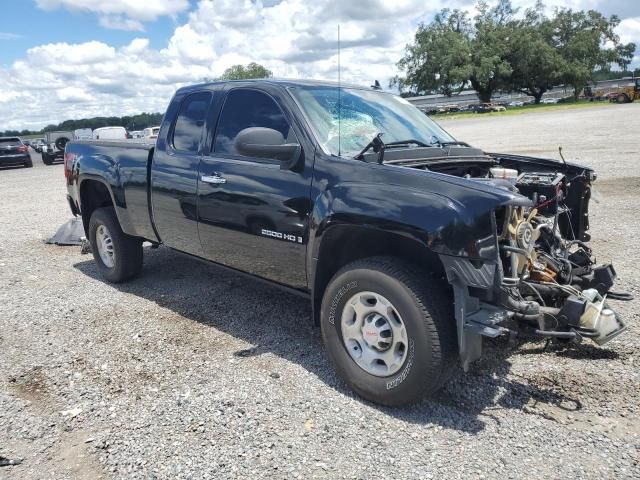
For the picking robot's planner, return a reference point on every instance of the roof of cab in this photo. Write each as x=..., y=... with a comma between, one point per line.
x=272, y=81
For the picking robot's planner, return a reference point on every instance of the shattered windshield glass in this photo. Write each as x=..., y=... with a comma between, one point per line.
x=363, y=114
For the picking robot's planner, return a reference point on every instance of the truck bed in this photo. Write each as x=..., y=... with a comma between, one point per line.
x=125, y=165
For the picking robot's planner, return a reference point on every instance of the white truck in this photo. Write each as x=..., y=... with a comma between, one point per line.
x=83, y=134
x=110, y=133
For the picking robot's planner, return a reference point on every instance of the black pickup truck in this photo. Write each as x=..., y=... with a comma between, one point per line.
x=411, y=245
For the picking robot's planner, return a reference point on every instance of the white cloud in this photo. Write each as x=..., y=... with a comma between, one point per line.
x=73, y=94
x=136, y=47
x=120, y=14
x=629, y=30
x=71, y=54
x=120, y=23
x=137, y=9
x=293, y=38
x=10, y=36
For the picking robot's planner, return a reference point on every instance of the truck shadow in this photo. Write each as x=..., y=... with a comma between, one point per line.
x=280, y=323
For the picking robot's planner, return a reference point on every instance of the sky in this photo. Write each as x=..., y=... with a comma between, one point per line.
x=71, y=59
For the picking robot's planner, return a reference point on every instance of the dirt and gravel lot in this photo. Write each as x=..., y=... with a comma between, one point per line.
x=193, y=372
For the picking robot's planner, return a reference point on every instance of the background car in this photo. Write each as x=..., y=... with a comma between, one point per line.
x=82, y=134
x=110, y=133
x=493, y=107
x=150, y=133
x=54, y=143
x=14, y=152
x=477, y=108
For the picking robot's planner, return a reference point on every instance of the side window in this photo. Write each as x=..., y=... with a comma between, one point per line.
x=243, y=109
x=191, y=118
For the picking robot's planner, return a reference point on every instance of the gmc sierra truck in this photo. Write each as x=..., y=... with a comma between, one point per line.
x=411, y=245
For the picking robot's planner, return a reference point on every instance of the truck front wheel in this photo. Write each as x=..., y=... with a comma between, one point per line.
x=118, y=256
x=388, y=327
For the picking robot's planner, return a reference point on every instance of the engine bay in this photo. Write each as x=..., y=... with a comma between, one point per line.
x=550, y=282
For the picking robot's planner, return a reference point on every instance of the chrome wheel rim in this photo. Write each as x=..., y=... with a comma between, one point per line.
x=374, y=334
x=104, y=242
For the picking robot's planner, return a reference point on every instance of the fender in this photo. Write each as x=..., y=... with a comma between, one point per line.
x=432, y=214
x=124, y=178
x=459, y=224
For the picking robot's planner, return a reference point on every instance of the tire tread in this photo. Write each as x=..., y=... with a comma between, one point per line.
x=435, y=303
x=130, y=251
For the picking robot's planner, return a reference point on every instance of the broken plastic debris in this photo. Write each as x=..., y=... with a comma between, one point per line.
x=69, y=233
x=6, y=462
x=72, y=413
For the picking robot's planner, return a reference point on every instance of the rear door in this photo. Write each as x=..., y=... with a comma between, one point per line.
x=174, y=174
x=253, y=215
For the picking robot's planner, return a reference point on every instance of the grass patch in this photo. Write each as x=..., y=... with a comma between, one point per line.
x=541, y=107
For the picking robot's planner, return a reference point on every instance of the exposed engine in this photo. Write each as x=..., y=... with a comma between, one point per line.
x=548, y=282
x=550, y=275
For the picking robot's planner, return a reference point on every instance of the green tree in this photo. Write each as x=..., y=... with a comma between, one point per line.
x=614, y=74
x=451, y=51
x=587, y=42
x=134, y=122
x=625, y=54
x=495, y=29
x=438, y=60
x=536, y=66
x=242, y=72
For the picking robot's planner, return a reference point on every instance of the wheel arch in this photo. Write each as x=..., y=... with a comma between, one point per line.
x=94, y=194
x=343, y=244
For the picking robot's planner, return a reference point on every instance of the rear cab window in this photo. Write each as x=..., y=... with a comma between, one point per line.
x=188, y=127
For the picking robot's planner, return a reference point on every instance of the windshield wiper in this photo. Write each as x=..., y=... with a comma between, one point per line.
x=377, y=145
x=455, y=142
x=410, y=141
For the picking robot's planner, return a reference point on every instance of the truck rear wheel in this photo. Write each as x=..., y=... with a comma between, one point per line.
x=388, y=327
x=118, y=256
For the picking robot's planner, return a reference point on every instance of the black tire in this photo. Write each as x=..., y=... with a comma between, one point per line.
x=46, y=159
x=29, y=163
x=127, y=249
x=426, y=308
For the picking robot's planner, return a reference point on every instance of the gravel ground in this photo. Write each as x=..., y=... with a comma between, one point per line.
x=193, y=372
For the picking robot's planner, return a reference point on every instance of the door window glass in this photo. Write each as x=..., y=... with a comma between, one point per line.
x=248, y=108
x=191, y=118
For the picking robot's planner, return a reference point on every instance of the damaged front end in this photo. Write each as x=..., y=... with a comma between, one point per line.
x=544, y=281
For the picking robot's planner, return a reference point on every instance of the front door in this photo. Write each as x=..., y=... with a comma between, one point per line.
x=252, y=214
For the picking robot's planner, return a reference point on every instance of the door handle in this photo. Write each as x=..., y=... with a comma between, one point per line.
x=216, y=179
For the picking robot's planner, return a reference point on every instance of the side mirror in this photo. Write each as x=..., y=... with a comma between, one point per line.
x=267, y=143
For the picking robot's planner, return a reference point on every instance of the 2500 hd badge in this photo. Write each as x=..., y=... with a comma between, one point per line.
x=282, y=236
